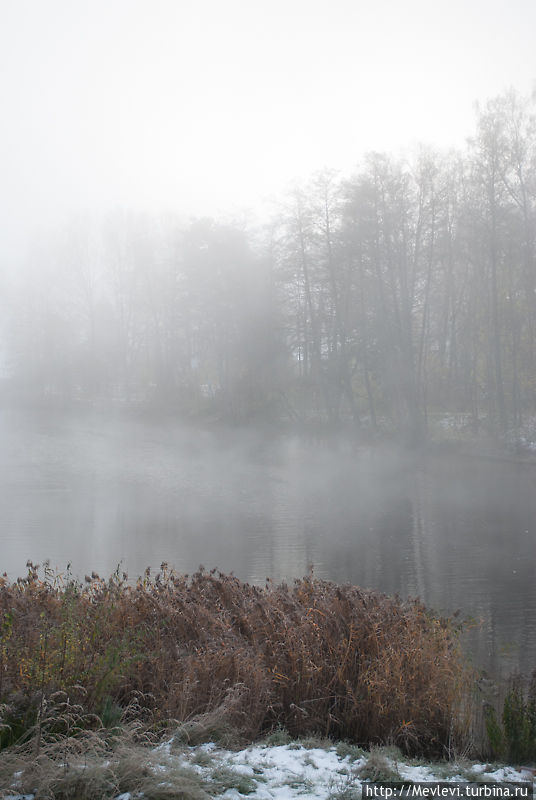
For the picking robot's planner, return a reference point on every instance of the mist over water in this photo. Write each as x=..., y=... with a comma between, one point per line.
x=97, y=491
x=246, y=246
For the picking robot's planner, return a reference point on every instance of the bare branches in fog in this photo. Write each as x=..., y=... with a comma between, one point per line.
x=408, y=289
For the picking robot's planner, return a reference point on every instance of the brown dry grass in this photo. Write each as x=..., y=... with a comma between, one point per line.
x=88, y=767
x=219, y=655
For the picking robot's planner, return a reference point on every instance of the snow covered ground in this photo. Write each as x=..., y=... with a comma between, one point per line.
x=295, y=772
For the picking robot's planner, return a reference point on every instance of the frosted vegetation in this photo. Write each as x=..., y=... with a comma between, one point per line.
x=221, y=655
x=160, y=687
x=309, y=769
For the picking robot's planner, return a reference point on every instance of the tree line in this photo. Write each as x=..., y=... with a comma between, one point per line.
x=375, y=301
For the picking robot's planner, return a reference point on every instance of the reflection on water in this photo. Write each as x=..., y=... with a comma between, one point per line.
x=459, y=533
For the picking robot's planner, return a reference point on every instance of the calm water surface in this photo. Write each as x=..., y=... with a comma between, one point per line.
x=458, y=532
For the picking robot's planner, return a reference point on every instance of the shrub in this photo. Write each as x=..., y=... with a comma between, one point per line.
x=215, y=654
x=515, y=739
x=494, y=732
x=519, y=721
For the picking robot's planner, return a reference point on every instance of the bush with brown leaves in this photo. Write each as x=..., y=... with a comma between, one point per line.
x=209, y=650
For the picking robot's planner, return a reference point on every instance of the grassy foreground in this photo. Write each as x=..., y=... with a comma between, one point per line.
x=223, y=658
x=306, y=769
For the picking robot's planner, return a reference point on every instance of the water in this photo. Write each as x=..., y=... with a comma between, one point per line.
x=96, y=492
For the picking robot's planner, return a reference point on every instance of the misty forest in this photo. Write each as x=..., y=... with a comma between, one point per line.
x=333, y=407
x=374, y=303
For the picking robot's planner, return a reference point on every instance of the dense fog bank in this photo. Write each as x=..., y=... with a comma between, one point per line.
x=379, y=302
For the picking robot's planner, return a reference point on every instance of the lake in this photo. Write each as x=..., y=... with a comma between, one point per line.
x=95, y=491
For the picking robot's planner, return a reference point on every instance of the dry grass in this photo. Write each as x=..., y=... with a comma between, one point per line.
x=225, y=658
x=379, y=768
x=90, y=768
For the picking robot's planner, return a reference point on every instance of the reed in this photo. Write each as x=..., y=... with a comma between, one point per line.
x=219, y=657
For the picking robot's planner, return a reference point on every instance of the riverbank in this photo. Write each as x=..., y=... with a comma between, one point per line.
x=221, y=655
x=306, y=770
x=202, y=686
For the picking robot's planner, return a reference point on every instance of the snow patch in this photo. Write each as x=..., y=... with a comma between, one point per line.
x=293, y=772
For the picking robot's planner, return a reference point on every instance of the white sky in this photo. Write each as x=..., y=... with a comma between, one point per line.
x=202, y=106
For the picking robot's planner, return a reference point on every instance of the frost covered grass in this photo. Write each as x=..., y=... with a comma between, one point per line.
x=226, y=661
x=130, y=771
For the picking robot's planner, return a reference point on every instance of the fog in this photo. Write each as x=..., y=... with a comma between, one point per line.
x=207, y=108
x=268, y=296
x=97, y=491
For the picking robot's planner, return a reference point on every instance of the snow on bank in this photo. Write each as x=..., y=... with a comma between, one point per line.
x=294, y=772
